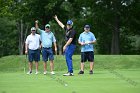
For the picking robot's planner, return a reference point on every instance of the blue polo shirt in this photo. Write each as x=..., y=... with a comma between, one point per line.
x=84, y=38
x=47, y=38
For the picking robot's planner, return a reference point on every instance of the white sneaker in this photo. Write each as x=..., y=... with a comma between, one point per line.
x=36, y=72
x=68, y=74
x=45, y=72
x=29, y=72
x=52, y=73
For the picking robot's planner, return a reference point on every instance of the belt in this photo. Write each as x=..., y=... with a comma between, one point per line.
x=46, y=47
x=33, y=50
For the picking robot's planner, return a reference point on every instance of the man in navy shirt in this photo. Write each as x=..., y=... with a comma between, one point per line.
x=70, y=45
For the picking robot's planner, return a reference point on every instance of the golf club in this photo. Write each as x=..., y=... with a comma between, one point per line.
x=25, y=63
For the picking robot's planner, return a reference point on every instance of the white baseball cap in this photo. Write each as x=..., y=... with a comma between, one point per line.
x=33, y=28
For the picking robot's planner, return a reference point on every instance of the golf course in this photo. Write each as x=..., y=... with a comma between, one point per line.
x=69, y=46
x=112, y=74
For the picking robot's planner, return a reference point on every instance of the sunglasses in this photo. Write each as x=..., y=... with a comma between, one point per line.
x=87, y=27
x=47, y=27
x=68, y=25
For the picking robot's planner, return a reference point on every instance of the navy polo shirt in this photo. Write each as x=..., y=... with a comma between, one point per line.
x=70, y=33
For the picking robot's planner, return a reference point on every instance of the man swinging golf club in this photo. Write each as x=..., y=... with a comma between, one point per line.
x=32, y=45
x=70, y=45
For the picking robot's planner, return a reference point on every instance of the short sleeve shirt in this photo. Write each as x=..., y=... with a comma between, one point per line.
x=71, y=33
x=33, y=41
x=47, y=38
x=86, y=37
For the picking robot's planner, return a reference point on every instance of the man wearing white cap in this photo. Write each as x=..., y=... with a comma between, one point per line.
x=47, y=38
x=32, y=46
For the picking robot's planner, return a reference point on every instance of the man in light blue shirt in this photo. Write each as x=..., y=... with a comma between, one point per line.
x=47, y=38
x=86, y=40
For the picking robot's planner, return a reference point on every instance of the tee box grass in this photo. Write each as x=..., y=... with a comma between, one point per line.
x=112, y=74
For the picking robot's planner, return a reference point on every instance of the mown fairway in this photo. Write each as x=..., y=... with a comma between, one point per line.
x=112, y=74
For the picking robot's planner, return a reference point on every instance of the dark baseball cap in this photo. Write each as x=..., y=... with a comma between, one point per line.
x=86, y=26
x=69, y=22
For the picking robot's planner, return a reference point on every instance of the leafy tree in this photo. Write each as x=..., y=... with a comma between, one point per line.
x=8, y=33
x=115, y=23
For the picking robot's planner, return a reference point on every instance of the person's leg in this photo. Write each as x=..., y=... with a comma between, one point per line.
x=83, y=59
x=36, y=64
x=69, y=53
x=51, y=65
x=30, y=58
x=72, y=48
x=82, y=69
x=91, y=60
x=30, y=66
x=51, y=58
x=82, y=66
x=69, y=62
x=45, y=66
x=45, y=59
x=37, y=59
x=91, y=65
x=66, y=58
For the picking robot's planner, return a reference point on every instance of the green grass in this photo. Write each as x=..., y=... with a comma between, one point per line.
x=113, y=74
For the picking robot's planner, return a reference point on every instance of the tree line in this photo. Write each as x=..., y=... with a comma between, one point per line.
x=115, y=23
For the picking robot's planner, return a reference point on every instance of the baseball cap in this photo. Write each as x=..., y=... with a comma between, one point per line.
x=86, y=26
x=47, y=25
x=69, y=22
x=33, y=28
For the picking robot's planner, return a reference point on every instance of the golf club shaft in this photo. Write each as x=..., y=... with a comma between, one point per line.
x=25, y=63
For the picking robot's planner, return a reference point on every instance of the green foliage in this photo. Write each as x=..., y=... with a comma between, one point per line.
x=8, y=37
x=104, y=16
x=104, y=13
x=6, y=7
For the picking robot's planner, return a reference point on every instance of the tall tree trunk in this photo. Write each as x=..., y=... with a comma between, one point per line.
x=20, y=29
x=21, y=37
x=60, y=47
x=115, y=49
x=25, y=35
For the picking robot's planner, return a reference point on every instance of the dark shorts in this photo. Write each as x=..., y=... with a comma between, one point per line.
x=87, y=56
x=34, y=55
x=47, y=53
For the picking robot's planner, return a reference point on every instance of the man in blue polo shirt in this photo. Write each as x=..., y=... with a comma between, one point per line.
x=47, y=38
x=86, y=40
